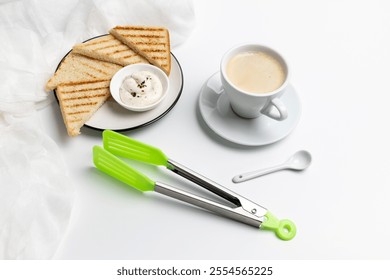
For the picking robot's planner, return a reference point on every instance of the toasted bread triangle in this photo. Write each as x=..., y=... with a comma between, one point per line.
x=79, y=68
x=108, y=48
x=151, y=42
x=80, y=100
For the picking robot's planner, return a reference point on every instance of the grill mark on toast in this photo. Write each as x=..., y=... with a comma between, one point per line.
x=84, y=89
x=94, y=68
x=84, y=97
x=85, y=82
x=107, y=47
x=117, y=51
x=158, y=57
x=154, y=50
x=142, y=36
x=140, y=43
x=138, y=28
x=73, y=121
x=81, y=104
x=90, y=75
x=78, y=112
x=129, y=56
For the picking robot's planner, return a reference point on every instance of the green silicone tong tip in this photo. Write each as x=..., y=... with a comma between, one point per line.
x=126, y=147
x=284, y=229
x=113, y=166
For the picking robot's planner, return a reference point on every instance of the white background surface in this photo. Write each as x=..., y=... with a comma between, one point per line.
x=338, y=52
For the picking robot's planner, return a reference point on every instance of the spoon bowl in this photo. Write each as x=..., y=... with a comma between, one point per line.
x=299, y=161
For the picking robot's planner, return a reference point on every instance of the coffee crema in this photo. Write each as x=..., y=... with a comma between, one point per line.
x=255, y=72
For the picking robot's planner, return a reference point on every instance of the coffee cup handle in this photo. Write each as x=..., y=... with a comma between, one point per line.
x=215, y=85
x=275, y=110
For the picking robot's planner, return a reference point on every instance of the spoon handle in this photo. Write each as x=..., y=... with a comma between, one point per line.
x=257, y=173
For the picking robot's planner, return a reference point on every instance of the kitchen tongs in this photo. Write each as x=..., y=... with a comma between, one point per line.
x=244, y=210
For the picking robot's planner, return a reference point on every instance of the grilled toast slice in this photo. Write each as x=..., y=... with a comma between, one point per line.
x=151, y=42
x=79, y=68
x=80, y=100
x=108, y=48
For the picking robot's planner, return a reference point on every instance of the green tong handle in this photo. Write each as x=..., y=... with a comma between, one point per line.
x=123, y=146
x=113, y=166
x=284, y=229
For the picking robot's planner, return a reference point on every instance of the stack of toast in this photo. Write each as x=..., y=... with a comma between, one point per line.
x=82, y=80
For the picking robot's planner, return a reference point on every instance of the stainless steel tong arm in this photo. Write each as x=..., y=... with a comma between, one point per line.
x=237, y=213
x=248, y=206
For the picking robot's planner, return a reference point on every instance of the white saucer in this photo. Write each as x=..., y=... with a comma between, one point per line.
x=216, y=111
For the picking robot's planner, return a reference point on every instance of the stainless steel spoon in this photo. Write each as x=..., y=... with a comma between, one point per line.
x=298, y=161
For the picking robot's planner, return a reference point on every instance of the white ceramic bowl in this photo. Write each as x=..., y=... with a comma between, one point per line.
x=119, y=76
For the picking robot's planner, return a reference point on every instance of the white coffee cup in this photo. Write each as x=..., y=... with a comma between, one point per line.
x=248, y=104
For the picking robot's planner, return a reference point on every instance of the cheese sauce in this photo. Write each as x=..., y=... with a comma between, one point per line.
x=141, y=89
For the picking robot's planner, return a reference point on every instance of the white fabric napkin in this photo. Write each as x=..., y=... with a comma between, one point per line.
x=36, y=193
x=35, y=190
